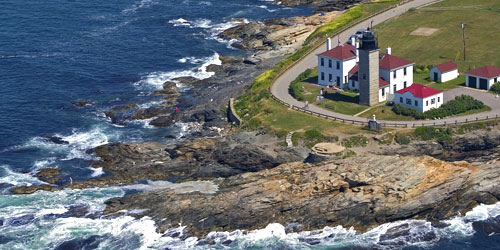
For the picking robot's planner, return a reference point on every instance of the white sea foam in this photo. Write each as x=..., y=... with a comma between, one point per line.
x=15, y=178
x=139, y=5
x=155, y=80
x=96, y=172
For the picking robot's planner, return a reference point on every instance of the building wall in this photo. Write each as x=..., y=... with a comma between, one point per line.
x=448, y=76
x=342, y=72
x=423, y=104
x=388, y=75
x=385, y=90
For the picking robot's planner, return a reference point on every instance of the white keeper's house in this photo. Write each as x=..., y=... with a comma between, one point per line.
x=483, y=78
x=339, y=67
x=419, y=97
x=444, y=72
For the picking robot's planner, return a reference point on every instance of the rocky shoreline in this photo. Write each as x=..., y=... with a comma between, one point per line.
x=259, y=180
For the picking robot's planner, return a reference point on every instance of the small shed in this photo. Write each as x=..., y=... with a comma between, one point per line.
x=444, y=72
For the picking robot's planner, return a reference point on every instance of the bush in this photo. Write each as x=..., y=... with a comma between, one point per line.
x=457, y=106
x=296, y=89
x=430, y=133
x=386, y=139
x=355, y=141
x=402, y=139
x=495, y=88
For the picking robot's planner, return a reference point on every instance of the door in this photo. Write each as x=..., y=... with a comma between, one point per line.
x=483, y=83
x=435, y=76
x=472, y=82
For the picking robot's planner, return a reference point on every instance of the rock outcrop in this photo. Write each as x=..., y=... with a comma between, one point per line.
x=359, y=191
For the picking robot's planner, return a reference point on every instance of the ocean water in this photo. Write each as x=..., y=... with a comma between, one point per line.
x=54, y=52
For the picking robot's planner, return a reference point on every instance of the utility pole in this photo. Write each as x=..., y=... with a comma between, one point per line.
x=463, y=35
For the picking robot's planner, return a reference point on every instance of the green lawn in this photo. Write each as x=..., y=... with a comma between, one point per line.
x=385, y=113
x=346, y=102
x=482, y=33
x=421, y=78
x=455, y=83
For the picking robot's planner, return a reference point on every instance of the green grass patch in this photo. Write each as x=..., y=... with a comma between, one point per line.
x=446, y=43
x=309, y=138
x=355, y=141
x=402, y=138
x=336, y=24
x=385, y=113
x=386, y=139
x=452, y=84
x=430, y=133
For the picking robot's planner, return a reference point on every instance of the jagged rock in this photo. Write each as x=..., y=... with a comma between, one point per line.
x=33, y=188
x=151, y=112
x=121, y=113
x=362, y=191
x=91, y=242
x=473, y=141
x=55, y=139
x=162, y=121
x=83, y=103
x=49, y=175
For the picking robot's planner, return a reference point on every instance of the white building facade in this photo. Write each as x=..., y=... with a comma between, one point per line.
x=444, y=72
x=419, y=97
x=398, y=72
x=334, y=65
x=482, y=78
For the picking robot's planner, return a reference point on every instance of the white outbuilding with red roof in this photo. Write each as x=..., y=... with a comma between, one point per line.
x=419, y=97
x=483, y=78
x=444, y=72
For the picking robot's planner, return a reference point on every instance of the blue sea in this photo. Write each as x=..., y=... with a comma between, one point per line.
x=54, y=53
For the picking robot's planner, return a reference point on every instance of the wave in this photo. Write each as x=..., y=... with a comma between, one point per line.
x=155, y=80
x=139, y=5
x=11, y=177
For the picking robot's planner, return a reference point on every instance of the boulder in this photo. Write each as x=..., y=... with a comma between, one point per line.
x=49, y=175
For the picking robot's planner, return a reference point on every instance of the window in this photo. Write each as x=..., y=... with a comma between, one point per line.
x=395, y=74
x=408, y=101
x=322, y=61
x=404, y=84
x=439, y=99
x=426, y=103
x=496, y=79
x=364, y=76
x=345, y=79
x=400, y=99
x=353, y=83
x=330, y=63
x=330, y=78
x=416, y=103
x=395, y=89
x=433, y=100
x=338, y=80
x=404, y=72
x=322, y=76
x=338, y=65
x=383, y=91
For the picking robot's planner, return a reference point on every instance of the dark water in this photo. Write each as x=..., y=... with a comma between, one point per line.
x=54, y=52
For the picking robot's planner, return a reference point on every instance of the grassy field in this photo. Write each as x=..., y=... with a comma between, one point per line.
x=341, y=102
x=443, y=86
x=482, y=33
x=385, y=113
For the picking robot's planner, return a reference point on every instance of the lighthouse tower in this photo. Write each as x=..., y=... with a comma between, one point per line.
x=368, y=73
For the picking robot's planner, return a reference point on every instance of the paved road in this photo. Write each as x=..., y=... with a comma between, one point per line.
x=280, y=86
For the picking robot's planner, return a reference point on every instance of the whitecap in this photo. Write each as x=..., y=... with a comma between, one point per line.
x=155, y=80
x=9, y=176
x=96, y=172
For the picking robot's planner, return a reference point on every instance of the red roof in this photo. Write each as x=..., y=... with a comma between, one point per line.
x=382, y=83
x=341, y=52
x=447, y=66
x=420, y=91
x=486, y=72
x=391, y=62
x=354, y=70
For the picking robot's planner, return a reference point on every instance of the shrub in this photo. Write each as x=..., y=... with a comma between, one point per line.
x=431, y=133
x=457, y=106
x=330, y=106
x=495, y=88
x=355, y=141
x=296, y=89
x=402, y=139
x=386, y=139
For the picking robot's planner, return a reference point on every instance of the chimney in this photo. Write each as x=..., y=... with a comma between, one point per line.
x=388, y=51
x=328, y=44
x=357, y=51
